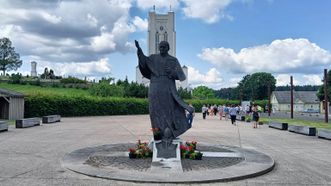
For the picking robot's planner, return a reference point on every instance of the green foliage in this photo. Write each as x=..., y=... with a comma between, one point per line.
x=32, y=90
x=15, y=78
x=135, y=90
x=107, y=80
x=255, y=86
x=104, y=89
x=227, y=93
x=298, y=88
x=197, y=104
x=203, y=92
x=184, y=93
x=41, y=105
x=72, y=80
x=320, y=93
x=9, y=59
x=302, y=122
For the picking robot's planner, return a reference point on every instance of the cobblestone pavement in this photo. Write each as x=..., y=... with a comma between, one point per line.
x=33, y=156
x=122, y=162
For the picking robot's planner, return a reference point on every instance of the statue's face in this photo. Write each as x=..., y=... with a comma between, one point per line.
x=163, y=48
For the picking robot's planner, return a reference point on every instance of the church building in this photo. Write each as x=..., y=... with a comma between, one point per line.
x=161, y=27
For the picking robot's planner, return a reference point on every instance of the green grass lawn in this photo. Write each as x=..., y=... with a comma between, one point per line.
x=317, y=124
x=32, y=89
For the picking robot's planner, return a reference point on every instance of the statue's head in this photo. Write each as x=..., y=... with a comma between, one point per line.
x=164, y=47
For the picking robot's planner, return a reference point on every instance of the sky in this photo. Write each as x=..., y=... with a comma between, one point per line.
x=220, y=41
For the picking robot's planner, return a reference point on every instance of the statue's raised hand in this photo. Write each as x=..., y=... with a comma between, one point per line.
x=137, y=44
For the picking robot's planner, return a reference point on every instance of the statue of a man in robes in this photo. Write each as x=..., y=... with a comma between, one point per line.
x=166, y=108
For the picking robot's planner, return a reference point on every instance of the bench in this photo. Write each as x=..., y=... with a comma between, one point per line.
x=277, y=125
x=51, y=119
x=27, y=122
x=323, y=133
x=3, y=126
x=306, y=130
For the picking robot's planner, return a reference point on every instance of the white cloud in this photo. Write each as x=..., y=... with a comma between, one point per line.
x=280, y=56
x=160, y=5
x=210, y=11
x=312, y=80
x=284, y=79
x=211, y=79
x=141, y=24
x=77, y=69
x=68, y=31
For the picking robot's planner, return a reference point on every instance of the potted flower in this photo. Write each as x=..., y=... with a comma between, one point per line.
x=156, y=133
x=132, y=153
x=182, y=151
x=192, y=144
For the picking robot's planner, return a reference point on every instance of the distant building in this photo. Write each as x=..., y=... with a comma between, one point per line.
x=161, y=27
x=33, y=69
x=303, y=101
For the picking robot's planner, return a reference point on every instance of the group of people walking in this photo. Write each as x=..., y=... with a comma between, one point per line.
x=231, y=111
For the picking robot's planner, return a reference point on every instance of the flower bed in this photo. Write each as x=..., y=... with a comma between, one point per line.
x=141, y=151
x=189, y=151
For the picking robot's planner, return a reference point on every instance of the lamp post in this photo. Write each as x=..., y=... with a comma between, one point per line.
x=291, y=81
x=326, y=101
x=269, y=97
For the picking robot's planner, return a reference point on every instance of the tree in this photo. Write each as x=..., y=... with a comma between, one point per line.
x=255, y=86
x=9, y=59
x=259, y=83
x=244, y=88
x=228, y=93
x=184, y=93
x=320, y=93
x=203, y=92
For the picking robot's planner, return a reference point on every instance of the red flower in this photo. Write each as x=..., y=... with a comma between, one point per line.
x=131, y=150
x=182, y=147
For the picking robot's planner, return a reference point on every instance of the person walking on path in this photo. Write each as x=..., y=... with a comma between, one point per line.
x=190, y=116
x=233, y=114
x=256, y=116
x=220, y=111
x=215, y=109
x=226, y=112
x=204, y=111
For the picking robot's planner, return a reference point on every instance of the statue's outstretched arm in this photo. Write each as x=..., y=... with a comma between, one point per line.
x=140, y=52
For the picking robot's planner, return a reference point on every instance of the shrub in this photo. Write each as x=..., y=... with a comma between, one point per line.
x=104, y=89
x=15, y=78
x=72, y=80
x=197, y=104
x=40, y=105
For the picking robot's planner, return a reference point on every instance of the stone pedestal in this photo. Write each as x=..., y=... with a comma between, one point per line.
x=166, y=157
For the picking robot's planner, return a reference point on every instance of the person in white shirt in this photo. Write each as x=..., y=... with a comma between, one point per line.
x=204, y=110
x=220, y=111
x=233, y=114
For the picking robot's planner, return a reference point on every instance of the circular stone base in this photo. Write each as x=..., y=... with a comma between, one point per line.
x=112, y=162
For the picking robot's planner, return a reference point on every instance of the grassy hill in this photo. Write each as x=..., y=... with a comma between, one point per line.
x=34, y=90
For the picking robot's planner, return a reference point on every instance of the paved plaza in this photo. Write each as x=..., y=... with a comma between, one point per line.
x=33, y=156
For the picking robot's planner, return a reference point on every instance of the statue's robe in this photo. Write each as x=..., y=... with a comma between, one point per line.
x=166, y=108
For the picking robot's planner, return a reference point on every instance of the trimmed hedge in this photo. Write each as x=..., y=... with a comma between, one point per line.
x=42, y=105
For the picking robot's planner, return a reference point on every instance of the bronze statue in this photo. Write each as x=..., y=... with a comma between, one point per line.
x=166, y=108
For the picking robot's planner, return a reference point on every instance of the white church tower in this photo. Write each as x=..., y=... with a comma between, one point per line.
x=161, y=27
